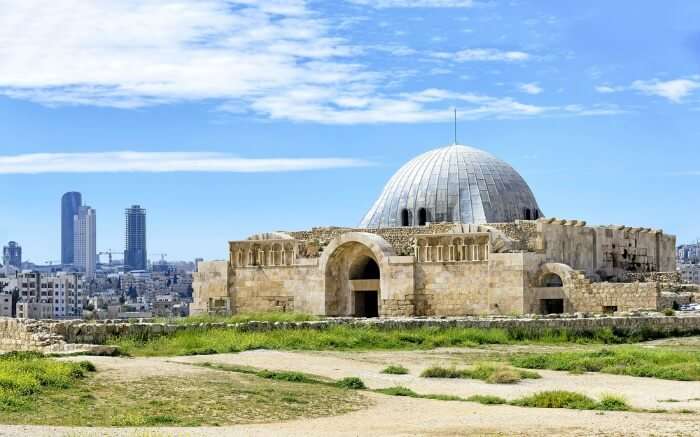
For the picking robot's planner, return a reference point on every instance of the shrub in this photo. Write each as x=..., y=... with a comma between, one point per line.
x=557, y=399
x=442, y=372
x=503, y=376
x=352, y=382
x=487, y=399
x=669, y=312
x=395, y=370
x=613, y=403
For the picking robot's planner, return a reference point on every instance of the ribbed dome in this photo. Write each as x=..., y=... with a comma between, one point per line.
x=458, y=184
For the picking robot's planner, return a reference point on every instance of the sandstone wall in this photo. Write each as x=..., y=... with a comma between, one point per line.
x=281, y=288
x=210, y=285
x=452, y=288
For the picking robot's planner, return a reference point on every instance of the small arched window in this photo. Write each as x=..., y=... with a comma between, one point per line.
x=536, y=214
x=528, y=215
x=404, y=217
x=422, y=217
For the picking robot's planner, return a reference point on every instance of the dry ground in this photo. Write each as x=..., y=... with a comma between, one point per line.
x=396, y=416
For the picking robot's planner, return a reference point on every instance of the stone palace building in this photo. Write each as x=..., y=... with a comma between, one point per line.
x=455, y=232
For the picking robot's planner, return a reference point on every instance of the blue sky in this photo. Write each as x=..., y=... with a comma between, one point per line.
x=257, y=115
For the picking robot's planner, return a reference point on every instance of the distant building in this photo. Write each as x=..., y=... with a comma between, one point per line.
x=690, y=273
x=688, y=254
x=45, y=296
x=135, y=238
x=70, y=203
x=85, y=241
x=12, y=254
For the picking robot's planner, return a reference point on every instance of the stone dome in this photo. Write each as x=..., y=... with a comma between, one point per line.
x=457, y=184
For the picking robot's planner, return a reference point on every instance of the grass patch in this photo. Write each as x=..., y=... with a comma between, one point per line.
x=556, y=399
x=270, y=316
x=395, y=370
x=571, y=400
x=352, y=383
x=211, y=399
x=487, y=399
x=628, y=360
x=24, y=376
x=488, y=372
x=611, y=402
x=222, y=340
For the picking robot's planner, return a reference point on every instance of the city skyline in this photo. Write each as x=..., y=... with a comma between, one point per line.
x=219, y=152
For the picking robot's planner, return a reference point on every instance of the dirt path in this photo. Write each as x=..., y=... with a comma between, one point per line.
x=393, y=416
x=640, y=392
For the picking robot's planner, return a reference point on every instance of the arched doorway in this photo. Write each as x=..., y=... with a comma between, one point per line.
x=354, y=266
x=364, y=278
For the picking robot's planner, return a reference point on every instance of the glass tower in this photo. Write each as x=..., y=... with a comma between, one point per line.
x=135, y=238
x=70, y=203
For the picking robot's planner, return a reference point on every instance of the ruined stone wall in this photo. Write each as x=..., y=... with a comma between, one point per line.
x=594, y=297
x=210, y=284
x=69, y=335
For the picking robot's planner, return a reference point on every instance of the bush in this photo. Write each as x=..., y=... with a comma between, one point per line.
x=442, y=372
x=352, y=382
x=613, y=403
x=669, y=312
x=557, y=399
x=487, y=399
x=488, y=372
x=395, y=370
x=503, y=376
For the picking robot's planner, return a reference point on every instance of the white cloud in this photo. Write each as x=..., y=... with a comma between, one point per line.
x=530, y=88
x=272, y=58
x=673, y=90
x=607, y=89
x=160, y=162
x=483, y=54
x=382, y=4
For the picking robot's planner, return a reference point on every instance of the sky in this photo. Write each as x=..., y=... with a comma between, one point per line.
x=224, y=118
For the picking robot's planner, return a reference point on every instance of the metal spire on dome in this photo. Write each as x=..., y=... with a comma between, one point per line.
x=455, y=142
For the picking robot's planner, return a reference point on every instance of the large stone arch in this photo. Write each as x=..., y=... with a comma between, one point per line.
x=344, y=255
x=562, y=270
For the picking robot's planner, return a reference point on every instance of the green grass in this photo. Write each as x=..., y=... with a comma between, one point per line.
x=209, y=399
x=487, y=399
x=556, y=399
x=219, y=340
x=395, y=370
x=627, y=360
x=269, y=316
x=488, y=372
x=24, y=376
x=571, y=400
x=352, y=383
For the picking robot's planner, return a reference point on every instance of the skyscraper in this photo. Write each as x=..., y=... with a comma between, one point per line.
x=85, y=239
x=135, y=238
x=70, y=202
x=12, y=254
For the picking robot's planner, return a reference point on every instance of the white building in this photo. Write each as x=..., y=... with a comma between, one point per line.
x=85, y=240
x=690, y=273
x=45, y=296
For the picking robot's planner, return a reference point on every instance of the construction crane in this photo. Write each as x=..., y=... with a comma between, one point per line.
x=109, y=254
x=162, y=256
